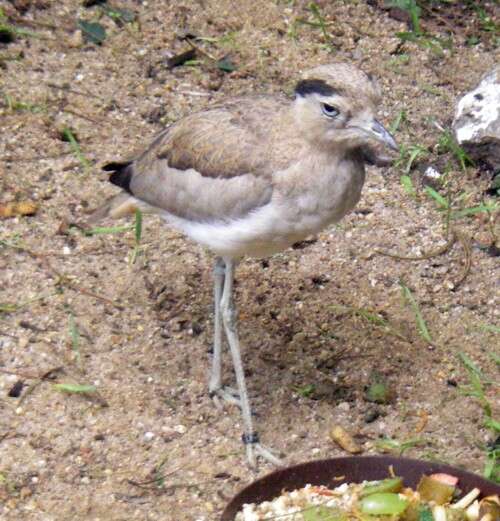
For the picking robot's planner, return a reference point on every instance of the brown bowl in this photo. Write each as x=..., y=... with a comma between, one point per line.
x=351, y=469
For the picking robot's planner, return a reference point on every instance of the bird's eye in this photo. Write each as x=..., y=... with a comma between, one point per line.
x=329, y=110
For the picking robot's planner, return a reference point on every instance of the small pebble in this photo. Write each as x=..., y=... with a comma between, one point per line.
x=76, y=39
x=371, y=415
x=25, y=492
x=23, y=342
x=343, y=406
x=148, y=436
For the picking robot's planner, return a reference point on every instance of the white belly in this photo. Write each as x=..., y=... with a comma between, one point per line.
x=263, y=232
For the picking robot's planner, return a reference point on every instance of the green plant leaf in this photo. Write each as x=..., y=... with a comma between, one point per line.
x=378, y=392
x=118, y=14
x=305, y=391
x=226, y=65
x=492, y=424
x=92, y=31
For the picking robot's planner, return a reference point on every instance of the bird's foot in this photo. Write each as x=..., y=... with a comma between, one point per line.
x=226, y=394
x=255, y=448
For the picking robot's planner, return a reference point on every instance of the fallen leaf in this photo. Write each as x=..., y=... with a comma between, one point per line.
x=15, y=209
x=342, y=438
x=422, y=422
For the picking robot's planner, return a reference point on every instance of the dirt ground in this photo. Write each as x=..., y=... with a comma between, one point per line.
x=319, y=323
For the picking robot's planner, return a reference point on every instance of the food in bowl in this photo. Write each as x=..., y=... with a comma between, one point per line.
x=437, y=497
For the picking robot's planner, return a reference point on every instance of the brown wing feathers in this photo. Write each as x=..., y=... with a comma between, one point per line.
x=200, y=167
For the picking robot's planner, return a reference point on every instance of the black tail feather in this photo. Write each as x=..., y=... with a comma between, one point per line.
x=121, y=174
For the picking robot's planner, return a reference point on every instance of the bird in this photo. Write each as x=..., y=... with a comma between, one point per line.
x=249, y=177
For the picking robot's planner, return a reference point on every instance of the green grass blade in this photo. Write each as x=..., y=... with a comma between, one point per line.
x=475, y=210
x=75, y=337
x=400, y=118
x=69, y=136
x=138, y=226
x=490, y=328
x=421, y=324
x=8, y=308
x=75, y=388
x=441, y=201
x=393, y=445
x=408, y=185
x=470, y=365
x=138, y=236
x=495, y=357
x=102, y=230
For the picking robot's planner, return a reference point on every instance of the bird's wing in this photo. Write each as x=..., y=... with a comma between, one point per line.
x=212, y=165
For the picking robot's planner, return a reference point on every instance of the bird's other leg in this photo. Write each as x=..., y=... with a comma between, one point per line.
x=228, y=311
x=215, y=387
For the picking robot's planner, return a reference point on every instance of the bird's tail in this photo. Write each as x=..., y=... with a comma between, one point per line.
x=124, y=203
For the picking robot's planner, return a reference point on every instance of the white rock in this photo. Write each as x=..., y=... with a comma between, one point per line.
x=432, y=173
x=477, y=120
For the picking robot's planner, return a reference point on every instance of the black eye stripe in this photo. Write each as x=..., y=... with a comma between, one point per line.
x=314, y=86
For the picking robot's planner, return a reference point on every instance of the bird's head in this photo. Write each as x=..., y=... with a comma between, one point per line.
x=335, y=108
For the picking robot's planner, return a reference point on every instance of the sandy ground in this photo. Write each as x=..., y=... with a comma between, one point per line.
x=150, y=445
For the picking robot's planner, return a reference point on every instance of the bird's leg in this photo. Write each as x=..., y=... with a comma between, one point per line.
x=228, y=311
x=215, y=387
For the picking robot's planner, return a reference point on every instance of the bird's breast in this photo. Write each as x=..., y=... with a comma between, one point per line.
x=321, y=193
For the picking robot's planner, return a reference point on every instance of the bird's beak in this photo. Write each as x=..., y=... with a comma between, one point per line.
x=373, y=154
x=379, y=132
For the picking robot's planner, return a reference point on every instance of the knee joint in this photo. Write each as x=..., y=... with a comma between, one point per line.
x=228, y=314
